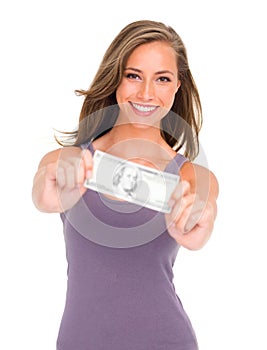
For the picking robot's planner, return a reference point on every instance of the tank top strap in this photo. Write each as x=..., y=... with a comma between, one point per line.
x=176, y=163
x=180, y=160
x=88, y=145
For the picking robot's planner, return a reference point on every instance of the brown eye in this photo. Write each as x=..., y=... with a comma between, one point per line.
x=164, y=79
x=132, y=76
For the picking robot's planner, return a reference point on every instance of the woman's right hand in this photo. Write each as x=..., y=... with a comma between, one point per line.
x=58, y=183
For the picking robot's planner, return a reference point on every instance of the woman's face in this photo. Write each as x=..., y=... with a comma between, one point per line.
x=149, y=84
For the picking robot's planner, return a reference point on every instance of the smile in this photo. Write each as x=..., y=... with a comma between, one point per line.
x=143, y=108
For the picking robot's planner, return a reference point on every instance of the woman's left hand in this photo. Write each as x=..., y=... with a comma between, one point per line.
x=193, y=207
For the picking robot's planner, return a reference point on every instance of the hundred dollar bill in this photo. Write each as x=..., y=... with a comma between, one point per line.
x=132, y=182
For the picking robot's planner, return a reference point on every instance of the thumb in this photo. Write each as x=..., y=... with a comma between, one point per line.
x=87, y=163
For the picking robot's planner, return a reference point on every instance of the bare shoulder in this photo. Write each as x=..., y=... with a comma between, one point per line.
x=54, y=155
x=102, y=143
x=50, y=157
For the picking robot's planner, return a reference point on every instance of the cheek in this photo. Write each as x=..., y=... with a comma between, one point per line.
x=123, y=91
x=168, y=98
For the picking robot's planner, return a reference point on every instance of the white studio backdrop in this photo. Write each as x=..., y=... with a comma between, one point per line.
x=51, y=48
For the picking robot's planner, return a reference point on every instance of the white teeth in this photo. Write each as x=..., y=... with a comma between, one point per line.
x=144, y=108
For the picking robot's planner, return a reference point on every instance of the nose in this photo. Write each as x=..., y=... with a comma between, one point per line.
x=146, y=91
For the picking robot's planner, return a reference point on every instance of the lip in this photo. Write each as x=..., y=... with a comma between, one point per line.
x=142, y=109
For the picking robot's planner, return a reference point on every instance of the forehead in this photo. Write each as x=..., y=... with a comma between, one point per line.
x=129, y=171
x=156, y=53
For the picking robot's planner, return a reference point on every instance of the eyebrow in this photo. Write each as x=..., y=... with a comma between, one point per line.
x=157, y=73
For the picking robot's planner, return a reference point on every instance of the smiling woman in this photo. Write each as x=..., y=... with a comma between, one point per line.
x=171, y=71
x=148, y=86
x=143, y=106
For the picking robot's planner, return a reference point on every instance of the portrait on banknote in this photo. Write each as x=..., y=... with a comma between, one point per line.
x=125, y=180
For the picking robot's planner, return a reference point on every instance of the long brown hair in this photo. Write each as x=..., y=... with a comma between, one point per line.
x=180, y=127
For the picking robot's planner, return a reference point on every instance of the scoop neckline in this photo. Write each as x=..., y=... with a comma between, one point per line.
x=123, y=202
x=91, y=147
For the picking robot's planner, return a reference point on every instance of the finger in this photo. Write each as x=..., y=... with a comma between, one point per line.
x=75, y=169
x=188, y=214
x=182, y=208
x=180, y=205
x=200, y=210
x=71, y=175
x=84, y=167
x=192, y=220
x=61, y=176
x=88, y=163
x=67, y=174
x=182, y=189
x=181, y=221
x=79, y=171
x=197, y=211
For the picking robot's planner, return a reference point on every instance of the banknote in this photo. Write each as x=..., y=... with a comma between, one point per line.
x=132, y=182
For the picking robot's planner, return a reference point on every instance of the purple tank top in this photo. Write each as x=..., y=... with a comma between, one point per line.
x=120, y=291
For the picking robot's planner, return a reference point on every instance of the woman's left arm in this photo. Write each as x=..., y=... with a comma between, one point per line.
x=193, y=206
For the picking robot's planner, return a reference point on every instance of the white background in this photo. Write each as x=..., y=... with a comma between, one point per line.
x=49, y=49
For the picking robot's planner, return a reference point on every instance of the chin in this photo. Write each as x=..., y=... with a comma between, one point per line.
x=143, y=125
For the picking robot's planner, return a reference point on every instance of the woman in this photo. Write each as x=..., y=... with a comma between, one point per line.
x=143, y=106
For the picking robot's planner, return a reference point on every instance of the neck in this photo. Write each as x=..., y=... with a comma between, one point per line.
x=124, y=132
x=136, y=142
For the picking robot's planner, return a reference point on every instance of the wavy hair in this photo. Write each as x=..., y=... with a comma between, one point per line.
x=181, y=125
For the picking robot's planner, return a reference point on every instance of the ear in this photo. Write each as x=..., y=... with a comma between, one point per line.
x=178, y=85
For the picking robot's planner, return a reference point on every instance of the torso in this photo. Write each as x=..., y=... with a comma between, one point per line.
x=120, y=281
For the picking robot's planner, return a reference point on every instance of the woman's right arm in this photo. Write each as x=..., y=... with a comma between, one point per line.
x=58, y=182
